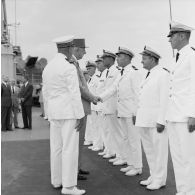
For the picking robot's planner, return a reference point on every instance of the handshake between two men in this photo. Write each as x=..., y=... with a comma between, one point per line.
x=80, y=122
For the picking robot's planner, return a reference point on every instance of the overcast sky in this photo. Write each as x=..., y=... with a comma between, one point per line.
x=105, y=24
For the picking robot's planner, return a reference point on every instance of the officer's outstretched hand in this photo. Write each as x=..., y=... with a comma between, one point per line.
x=191, y=124
x=160, y=128
x=96, y=100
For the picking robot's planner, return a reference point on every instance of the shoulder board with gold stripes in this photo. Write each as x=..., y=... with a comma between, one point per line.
x=166, y=70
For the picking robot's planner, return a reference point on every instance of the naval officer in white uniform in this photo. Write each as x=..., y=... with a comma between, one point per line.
x=109, y=107
x=126, y=88
x=181, y=109
x=65, y=110
x=96, y=86
x=150, y=119
x=92, y=85
x=91, y=69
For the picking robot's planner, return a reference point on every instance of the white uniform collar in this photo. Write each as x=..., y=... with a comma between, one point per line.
x=184, y=50
x=154, y=68
x=4, y=83
x=128, y=67
x=113, y=67
x=26, y=84
x=74, y=58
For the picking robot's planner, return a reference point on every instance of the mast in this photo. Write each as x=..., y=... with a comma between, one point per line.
x=15, y=25
x=4, y=29
x=170, y=9
x=171, y=19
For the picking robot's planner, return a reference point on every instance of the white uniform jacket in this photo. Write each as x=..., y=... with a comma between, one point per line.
x=153, y=96
x=100, y=89
x=61, y=88
x=181, y=104
x=94, y=82
x=126, y=89
x=109, y=106
x=92, y=85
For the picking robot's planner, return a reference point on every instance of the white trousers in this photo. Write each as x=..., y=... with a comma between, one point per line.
x=104, y=131
x=131, y=146
x=156, y=149
x=45, y=108
x=89, y=134
x=64, y=145
x=114, y=136
x=182, y=146
x=97, y=124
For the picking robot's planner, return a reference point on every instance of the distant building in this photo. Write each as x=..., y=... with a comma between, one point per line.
x=7, y=56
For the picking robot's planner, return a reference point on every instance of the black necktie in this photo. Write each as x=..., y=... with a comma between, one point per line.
x=107, y=73
x=122, y=70
x=89, y=80
x=177, y=56
x=148, y=74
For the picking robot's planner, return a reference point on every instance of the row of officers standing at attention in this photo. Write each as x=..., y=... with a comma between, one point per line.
x=128, y=107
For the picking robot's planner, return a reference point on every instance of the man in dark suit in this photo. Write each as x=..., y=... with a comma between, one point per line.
x=6, y=104
x=26, y=103
x=15, y=103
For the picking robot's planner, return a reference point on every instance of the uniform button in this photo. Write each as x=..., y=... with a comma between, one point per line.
x=170, y=87
x=170, y=95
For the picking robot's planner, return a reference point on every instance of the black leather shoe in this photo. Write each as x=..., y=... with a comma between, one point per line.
x=9, y=129
x=29, y=128
x=24, y=127
x=17, y=127
x=81, y=177
x=83, y=172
